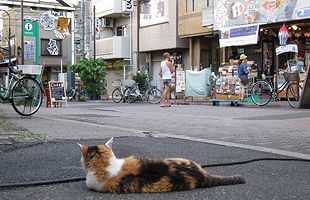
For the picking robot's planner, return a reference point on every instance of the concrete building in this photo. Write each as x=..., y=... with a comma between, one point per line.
x=196, y=25
x=48, y=36
x=158, y=34
x=113, y=37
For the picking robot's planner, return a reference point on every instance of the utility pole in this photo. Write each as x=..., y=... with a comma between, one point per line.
x=21, y=30
x=94, y=11
x=138, y=35
x=88, y=26
x=82, y=22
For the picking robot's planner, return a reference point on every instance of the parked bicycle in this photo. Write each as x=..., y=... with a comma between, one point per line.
x=152, y=93
x=74, y=95
x=118, y=94
x=24, y=92
x=263, y=91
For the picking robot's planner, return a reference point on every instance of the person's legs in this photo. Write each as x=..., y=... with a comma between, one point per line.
x=168, y=95
x=242, y=91
x=164, y=95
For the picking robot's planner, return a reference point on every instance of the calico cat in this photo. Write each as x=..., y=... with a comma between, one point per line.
x=106, y=173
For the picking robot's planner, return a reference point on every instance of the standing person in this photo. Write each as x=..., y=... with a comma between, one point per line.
x=243, y=74
x=166, y=69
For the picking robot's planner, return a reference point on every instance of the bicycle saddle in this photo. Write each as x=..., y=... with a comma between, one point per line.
x=15, y=71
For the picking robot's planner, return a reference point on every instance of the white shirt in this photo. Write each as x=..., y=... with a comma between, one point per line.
x=166, y=74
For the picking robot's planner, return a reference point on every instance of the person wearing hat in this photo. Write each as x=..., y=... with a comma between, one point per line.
x=243, y=74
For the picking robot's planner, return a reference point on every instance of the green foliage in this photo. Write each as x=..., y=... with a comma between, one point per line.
x=141, y=78
x=119, y=64
x=172, y=89
x=92, y=73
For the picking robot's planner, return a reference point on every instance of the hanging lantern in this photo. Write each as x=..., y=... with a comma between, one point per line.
x=283, y=35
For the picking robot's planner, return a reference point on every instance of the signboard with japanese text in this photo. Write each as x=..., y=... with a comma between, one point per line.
x=239, y=36
x=229, y=13
x=180, y=81
x=287, y=48
x=31, y=44
x=57, y=90
x=154, y=12
x=30, y=50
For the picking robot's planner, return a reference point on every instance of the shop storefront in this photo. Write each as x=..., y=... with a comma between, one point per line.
x=252, y=28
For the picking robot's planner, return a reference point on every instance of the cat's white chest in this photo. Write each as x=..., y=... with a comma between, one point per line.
x=92, y=182
x=115, y=166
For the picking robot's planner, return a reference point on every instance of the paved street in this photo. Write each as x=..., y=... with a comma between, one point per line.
x=210, y=134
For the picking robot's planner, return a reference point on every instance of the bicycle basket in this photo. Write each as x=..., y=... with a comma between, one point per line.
x=292, y=76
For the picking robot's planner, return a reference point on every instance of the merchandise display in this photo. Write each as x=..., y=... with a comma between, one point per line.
x=227, y=83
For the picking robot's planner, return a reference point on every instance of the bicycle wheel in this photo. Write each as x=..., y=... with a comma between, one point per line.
x=129, y=95
x=153, y=95
x=261, y=93
x=117, y=95
x=293, y=94
x=27, y=96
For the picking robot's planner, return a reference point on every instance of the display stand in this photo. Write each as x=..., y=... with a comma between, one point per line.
x=57, y=94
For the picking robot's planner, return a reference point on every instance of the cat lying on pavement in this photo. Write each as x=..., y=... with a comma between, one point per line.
x=106, y=173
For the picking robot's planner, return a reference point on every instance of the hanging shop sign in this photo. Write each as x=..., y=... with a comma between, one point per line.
x=229, y=13
x=283, y=35
x=287, y=48
x=153, y=12
x=243, y=35
x=47, y=21
x=52, y=47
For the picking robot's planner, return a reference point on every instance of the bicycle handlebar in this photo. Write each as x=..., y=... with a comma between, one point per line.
x=15, y=71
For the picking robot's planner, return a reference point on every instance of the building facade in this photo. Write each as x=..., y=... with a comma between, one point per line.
x=47, y=34
x=196, y=25
x=113, y=37
x=158, y=34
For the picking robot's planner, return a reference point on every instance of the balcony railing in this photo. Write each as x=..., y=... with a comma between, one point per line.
x=113, y=47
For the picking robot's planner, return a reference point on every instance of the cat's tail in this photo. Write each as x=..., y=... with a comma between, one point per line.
x=224, y=180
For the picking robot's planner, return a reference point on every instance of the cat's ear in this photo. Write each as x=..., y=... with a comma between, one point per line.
x=83, y=148
x=109, y=143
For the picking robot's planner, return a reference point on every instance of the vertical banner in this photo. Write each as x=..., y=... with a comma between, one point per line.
x=31, y=29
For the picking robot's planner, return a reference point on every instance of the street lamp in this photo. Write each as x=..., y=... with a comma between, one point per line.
x=9, y=40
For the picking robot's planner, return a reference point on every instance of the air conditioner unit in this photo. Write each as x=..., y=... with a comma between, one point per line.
x=107, y=23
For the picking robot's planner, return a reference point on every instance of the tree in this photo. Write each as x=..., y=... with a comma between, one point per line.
x=92, y=73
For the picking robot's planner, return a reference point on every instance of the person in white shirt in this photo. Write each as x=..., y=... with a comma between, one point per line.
x=166, y=69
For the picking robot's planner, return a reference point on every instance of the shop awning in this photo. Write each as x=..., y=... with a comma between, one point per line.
x=239, y=36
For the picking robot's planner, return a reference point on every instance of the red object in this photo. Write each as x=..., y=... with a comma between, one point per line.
x=283, y=35
x=307, y=34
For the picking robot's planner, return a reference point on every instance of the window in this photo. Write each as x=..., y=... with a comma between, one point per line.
x=121, y=31
x=51, y=47
x=194, y=5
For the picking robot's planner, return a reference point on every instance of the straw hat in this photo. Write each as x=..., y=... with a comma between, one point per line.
x=243, y=56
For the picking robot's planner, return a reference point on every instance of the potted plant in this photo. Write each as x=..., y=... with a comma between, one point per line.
x=104, y=95
x=92, y=73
